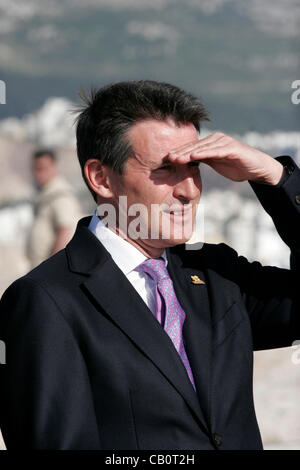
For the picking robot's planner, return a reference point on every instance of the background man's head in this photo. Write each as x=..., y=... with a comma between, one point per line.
x=44, y=166
x=109, y=113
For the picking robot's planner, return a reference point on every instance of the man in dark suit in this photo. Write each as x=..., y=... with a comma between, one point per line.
x=94, y=355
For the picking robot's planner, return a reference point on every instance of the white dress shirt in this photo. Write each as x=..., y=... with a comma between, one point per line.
x=127, y=257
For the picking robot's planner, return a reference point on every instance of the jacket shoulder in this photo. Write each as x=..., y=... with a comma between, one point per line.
x=206, y=253
x=50, y=273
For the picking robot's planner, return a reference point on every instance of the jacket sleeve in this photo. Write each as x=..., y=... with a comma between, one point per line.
x=45, y=377
x=282, y=203
x=272, y=294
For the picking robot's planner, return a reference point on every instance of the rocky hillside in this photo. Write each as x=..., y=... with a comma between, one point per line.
x=240, y=57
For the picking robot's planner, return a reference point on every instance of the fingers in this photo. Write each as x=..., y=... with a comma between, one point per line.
x=216, y=152
x=183, y=154
x=186, y=147
x=183, y=149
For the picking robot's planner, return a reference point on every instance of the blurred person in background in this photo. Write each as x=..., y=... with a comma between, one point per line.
x=56, y=209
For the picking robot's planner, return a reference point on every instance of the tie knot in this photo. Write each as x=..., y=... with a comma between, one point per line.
x=156, y=268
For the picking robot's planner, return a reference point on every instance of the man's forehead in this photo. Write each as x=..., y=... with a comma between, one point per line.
x=154, y=139
x=149, y=128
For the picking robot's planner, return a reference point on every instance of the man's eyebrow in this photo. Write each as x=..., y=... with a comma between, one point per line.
x=164, y=160
x=156, y=164
x=153, y=163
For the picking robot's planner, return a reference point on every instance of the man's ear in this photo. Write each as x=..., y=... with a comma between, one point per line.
x=97, y=178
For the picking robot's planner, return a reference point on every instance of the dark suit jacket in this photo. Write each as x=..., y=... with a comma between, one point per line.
x=89, y=367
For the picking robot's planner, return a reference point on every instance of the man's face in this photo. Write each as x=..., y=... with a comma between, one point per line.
x=44, y=169
x=150, y=179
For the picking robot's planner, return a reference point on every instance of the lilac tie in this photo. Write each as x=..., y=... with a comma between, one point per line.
x=174, y=314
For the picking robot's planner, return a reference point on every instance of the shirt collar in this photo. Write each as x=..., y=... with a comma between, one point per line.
x=126, y=256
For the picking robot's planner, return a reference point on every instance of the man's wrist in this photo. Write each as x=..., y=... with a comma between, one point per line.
x=288, y=165
x=286, y=169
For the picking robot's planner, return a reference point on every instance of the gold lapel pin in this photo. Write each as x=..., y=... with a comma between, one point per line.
x=197, y=280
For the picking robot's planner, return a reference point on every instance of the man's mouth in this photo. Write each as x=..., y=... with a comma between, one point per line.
x=181, y=211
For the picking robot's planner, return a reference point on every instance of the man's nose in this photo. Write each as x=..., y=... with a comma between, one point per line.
x=189, y=186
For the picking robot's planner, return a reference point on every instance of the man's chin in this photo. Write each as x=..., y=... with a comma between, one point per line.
x=172, y=241
x=177, y=234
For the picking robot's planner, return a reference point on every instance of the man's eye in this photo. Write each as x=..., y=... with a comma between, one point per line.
x=164, y=167
x=172, y=167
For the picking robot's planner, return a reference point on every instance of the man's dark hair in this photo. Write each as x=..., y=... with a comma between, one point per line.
x=41, y=152
x=108, y=114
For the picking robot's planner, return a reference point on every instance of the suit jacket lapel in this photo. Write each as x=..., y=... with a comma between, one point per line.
x=113, y=292
x=197, y=328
